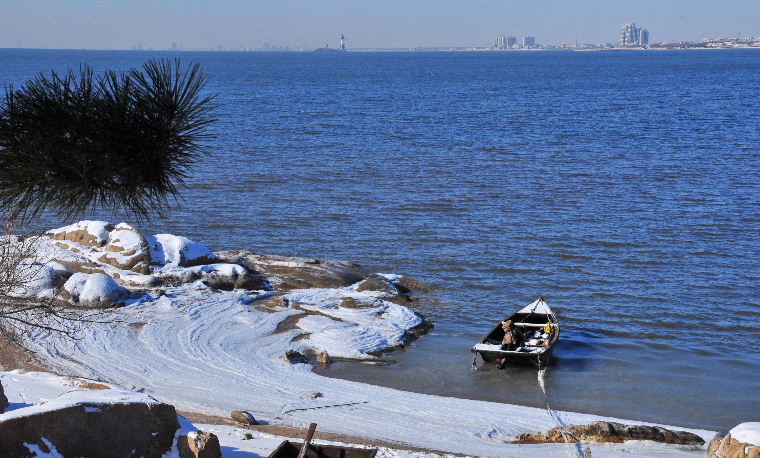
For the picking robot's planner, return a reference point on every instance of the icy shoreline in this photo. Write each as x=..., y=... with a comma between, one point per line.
x=209, y=350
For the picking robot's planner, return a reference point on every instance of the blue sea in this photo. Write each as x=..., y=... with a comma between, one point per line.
x=623, y=187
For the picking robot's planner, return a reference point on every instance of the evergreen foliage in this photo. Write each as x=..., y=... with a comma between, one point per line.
x=72, y=142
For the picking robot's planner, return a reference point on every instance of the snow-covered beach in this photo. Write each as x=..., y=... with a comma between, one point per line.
x=188, y=336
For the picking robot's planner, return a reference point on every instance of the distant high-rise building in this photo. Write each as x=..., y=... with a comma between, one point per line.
x=505, y=42
x=528, y=42
x=631, y=35
x=643, y=37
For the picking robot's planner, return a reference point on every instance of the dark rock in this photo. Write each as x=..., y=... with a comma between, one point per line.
x=245, y=280
x=294, y=357
x=407, y=285
x=187, y=276
x=244, y=417
x=606, y=431
x=99, y=430
x=377, y=284
x=351, y=303
x=3, y=399
x=247, y=436
x=199, y=444
x=293, y=273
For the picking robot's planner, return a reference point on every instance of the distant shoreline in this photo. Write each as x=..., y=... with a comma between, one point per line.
x=380, y=50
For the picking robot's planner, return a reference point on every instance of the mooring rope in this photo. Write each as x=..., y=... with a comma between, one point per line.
x=325, y=407
x=577, y=452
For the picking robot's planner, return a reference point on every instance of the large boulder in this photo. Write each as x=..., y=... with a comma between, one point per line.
x=178, y=251
x=89, y=233
x=743, y=441
x=608, y=431
x=107, y=423
x=93, y=291
x=127, y=249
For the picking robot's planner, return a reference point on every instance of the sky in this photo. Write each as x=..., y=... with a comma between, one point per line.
x=232, y=24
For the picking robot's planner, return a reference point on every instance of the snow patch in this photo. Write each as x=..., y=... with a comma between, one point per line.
x=38, y=453
x=88, y=399
x=749, y=433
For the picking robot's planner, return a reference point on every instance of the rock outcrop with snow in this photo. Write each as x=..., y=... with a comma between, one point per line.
x=331, y=307
x=743, y=441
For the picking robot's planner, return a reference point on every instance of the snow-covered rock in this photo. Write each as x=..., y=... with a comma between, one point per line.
x=177, y=251
x=89, y=233
x=127, y=249
x=35, y=279
x=93, y=290
x=743, y=441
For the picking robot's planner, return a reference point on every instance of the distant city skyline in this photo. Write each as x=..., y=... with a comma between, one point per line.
x=242, y=24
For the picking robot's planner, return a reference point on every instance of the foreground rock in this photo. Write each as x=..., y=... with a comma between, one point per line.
x=611, y=432
x=3, y=399
x=741, y=442
x=199, y=444
x=105, y=423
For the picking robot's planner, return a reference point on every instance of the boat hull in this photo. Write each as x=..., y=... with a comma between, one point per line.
x=528, y=320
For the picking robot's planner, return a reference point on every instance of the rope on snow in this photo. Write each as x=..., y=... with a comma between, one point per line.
x=578, y=452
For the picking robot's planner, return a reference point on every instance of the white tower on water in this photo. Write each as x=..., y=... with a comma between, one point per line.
x=342, y=42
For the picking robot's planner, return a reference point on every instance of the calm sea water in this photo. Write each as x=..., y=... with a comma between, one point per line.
x=622, y=186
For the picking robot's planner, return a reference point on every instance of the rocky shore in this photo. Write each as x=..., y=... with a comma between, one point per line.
x=214, y=332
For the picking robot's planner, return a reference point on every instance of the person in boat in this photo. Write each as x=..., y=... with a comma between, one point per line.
x=510, y=340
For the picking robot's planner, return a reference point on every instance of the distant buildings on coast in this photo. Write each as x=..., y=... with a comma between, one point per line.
x=510, y=42
x=633, y=36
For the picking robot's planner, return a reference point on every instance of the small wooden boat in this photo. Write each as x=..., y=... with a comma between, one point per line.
x=288, y=449
x=306, y=449
x=534, y=345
